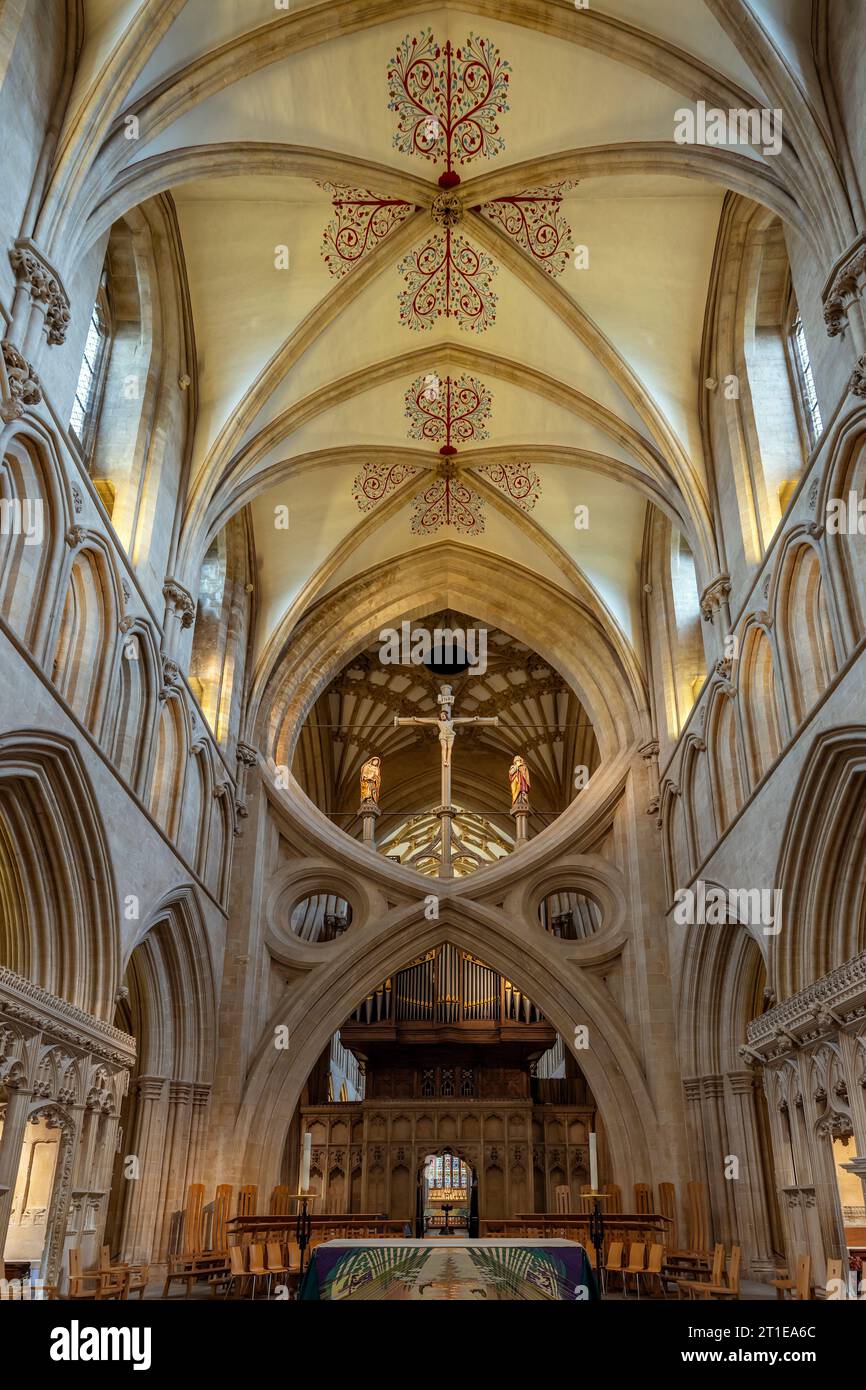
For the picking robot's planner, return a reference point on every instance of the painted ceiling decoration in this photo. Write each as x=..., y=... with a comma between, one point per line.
x=447, y=412
x=448, y=102
x=361, y=221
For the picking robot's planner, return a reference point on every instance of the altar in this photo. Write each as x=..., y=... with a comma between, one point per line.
x=450, y=1269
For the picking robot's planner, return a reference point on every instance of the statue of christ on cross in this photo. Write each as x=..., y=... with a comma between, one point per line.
x=445, y=723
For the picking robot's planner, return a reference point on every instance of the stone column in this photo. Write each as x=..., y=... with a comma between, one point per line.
x=369, y=812
x=520, y=811
x=198, y=1135
x=140, y=1232
x=749, y=1191
x=715, y=610
x=17, y=1110
x=173, y=1182
x=180, y=609
x=717, y=1149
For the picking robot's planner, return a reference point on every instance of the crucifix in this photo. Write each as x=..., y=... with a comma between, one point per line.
x=445, y=723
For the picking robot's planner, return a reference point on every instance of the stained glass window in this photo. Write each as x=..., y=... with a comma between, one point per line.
x=447, y=1171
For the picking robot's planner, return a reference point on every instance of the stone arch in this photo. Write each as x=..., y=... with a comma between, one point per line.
x=166, y=790
x=844, y=475
x=60, y=918
x=446, y=576
x=31, y=496
x=326, y=996
x=192, y=835
x=698, y=800
x=173, y=967
x=677, y=853
x=720, y=993
x=820, y=870
x=135, y=706
x=725, y=755
x=83, y=663
x=170, y=1007
x=758, y=702
x=807, y=655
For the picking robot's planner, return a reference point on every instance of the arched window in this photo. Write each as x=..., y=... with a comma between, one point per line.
x=221, y=630
x=91, y=376
x=802, y=364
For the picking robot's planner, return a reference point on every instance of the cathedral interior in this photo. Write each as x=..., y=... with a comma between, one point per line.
x=432, y=617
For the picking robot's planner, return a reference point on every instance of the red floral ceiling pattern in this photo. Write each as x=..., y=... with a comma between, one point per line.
x=448, y=100
x=361, y=221
x=446, y=413
x=448, y=103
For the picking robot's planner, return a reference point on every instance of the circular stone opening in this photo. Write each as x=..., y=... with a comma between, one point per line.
x=320, y=917
x=570, y=914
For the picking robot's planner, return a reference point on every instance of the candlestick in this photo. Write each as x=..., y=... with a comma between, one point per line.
x=593, y=1161
x=305, y=1164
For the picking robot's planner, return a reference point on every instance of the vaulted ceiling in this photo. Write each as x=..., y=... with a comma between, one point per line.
x=344, y=176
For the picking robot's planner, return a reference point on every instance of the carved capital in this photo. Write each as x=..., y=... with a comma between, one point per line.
x=247, y=755
x=75, y=536
x=845, y=287
x=180, y=602
x=170, y=677
x=715, y=594
x=20, y=384
x=649, y=751
x=857, y=384
x=44, y=286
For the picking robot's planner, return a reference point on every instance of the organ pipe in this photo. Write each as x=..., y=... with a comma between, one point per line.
x=449, y=986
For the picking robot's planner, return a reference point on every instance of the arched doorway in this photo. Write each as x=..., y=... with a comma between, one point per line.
x=446, y=1195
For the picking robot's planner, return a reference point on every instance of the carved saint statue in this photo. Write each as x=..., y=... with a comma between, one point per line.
x=518, y=776
x=371, y=780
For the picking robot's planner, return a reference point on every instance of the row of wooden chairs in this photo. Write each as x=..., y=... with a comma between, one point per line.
x=249, y=1264
x=638, y=1267
x=107, y=1280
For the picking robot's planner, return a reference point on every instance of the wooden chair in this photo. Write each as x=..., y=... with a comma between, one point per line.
x=613, y=1205
x=653, y=1271
x=713, y=1275
x=643, y=1198
x=715, y=1289
x=248, y=1201
x=613, y=1263
x=635, y=1267
x=800, y=1286
x=107, y=1283
x=668, y=1207
x=275, y=1261
x=237, y=1269
x=256, y=1267
x=280, y=1201
x=834, y=1280
x=563, y=1200
x=138, y=1274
